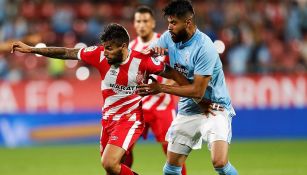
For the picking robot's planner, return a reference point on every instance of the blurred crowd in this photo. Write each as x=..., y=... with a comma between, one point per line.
x=260, y=36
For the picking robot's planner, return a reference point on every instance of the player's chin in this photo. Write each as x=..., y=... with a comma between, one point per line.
x=143, y=34
x=174, y=38
x=110, y=62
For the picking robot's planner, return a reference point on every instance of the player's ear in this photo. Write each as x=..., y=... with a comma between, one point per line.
x=124, y=45
x=188, y=21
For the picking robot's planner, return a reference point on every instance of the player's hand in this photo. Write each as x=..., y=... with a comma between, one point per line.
x=210, y=108
x=149, y=89
x=21, y=47
x=158, y=51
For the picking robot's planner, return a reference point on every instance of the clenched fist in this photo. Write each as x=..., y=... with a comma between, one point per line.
x=21, y=47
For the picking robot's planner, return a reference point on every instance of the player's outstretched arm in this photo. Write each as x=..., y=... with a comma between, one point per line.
x=52, y=52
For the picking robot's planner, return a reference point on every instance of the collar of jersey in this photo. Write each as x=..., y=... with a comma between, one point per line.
x=181, y=45
x=128, y=58
x=154, y=36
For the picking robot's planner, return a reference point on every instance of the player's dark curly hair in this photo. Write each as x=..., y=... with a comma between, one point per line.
x=144, y=9
x=115, y=33
x=179, y=8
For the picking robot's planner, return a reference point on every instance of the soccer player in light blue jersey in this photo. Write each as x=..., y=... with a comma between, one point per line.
x=193, y=54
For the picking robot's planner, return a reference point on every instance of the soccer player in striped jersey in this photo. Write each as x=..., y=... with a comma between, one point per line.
x=121, y=71
x=160, y=109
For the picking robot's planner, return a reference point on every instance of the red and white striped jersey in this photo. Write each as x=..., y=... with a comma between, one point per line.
x=160, y=101
x=119, y=84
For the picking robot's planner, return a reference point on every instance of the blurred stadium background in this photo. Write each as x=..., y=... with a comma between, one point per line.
x=50, y=109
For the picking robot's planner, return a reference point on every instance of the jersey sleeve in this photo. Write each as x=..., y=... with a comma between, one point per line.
x=91, y=55
x=154, y=66
x=205, y=60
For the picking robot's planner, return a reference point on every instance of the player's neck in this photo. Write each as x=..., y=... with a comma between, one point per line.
x=147, y=38
x=190, y=32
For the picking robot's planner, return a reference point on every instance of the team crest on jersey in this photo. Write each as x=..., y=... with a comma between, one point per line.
x=140, y=77
x=113, y=72
x=155, y=61
x=89, y=49
x=187, y=57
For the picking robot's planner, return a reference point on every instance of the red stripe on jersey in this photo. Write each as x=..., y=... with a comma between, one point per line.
x=107, y=93
x=104, y=67
x=128, y=106
x=121, y=101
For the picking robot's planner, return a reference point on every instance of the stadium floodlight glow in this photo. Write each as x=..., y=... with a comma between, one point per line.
x=80, y=45
x=220, y=46
x=40, y=45
x=82, y=73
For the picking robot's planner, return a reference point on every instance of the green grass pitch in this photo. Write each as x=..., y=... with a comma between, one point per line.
x=280, y=157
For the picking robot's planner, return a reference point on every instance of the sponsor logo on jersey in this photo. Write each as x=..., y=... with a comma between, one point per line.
x=89, y=49
x=120, y=89
x=155, y=61
x=182, y=69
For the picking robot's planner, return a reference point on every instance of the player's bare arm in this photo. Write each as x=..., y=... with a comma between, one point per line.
x=194, y=90
x=52, y=52
x=183, y=89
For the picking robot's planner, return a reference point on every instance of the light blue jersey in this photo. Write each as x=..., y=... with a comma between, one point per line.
x=197, y=56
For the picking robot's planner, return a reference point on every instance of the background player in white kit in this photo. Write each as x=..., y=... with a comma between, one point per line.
x=160, y=109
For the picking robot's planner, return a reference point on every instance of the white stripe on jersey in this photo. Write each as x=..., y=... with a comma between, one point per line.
x=152, y=100
x=133, y=70
x=103, y=86
x=118, y=116
x=101, y=56
x=114, y=109
x=164, y=103
x=130, y=135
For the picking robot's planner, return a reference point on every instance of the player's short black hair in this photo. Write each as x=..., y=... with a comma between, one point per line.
x=144, y=9
x=179, y=8
x=115, y=33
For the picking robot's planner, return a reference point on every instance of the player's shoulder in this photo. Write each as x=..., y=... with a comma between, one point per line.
x=138, y=55
x=202, y=39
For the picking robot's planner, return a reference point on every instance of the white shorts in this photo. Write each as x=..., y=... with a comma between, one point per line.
x=194, y=129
